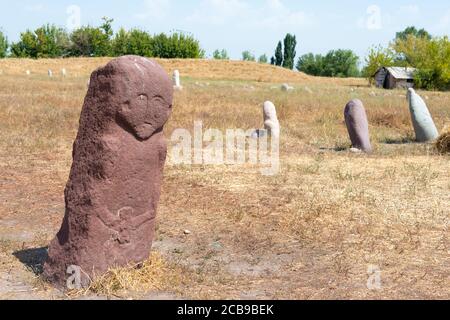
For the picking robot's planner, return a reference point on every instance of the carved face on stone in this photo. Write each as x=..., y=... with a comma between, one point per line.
x=145, y=95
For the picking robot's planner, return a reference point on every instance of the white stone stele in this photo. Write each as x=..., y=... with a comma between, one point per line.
x=50, y=73
x=64, y=72
x=307, y=89
x=285, y=87
x=422, y=121
x=271, y=123
x=28, y=72
x=176, y=80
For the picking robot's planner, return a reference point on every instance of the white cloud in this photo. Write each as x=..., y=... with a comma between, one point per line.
x=272, y=14
x=37, y=7
x=444, y=22
x=154, y=9
x=218, y=12
x=411, y=9
x=276, y=14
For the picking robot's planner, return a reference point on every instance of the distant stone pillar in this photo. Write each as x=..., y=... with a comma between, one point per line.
x=423, y=123
x=176, y=80
x=358, y=125
x=114, y=185
x=50, y=73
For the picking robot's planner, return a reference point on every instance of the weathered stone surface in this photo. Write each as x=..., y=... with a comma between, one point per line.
x=421, y=118
x=286, y=87
x=358, y=125
x=118, y=159
x=176, y=80
x=271, y=123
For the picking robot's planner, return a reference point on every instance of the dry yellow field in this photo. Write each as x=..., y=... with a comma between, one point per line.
x=330, y=222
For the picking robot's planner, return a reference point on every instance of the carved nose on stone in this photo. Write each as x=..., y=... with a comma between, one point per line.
x=145, y=131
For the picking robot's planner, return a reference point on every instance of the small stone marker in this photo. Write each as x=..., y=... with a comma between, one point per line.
x=421, y=118
x=285, y=87
x=50, y=73
x=358, y=125
x=114, y=185
x=28, y=72
x=308, y=89
x=64, y=72
x=176, y=80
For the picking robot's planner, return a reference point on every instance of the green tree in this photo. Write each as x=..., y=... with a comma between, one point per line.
x=263, y=59
x=221, y=55
x=26, y=47
x=430, y=57
x=290, y=44
x=89, y=41
x=3, y=45
x=47, y=41
x=336, y=63
x=340, y=63
x=412, y=31
x=120, y=43
x=310, y=64
x=177, y=45
x=136, y=42
x=279, y=54
x=140, y=43
x=248, y=56
x=272, y=60
x=377, y=57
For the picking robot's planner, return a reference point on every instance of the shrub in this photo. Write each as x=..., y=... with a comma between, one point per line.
x=221, y=55
x=3, y=45
x=248, y=56
x=263, y=59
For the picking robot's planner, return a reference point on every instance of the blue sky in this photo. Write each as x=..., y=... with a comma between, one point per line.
x=239, y=25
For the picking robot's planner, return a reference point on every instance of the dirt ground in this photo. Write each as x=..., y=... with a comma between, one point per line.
x=331, y=225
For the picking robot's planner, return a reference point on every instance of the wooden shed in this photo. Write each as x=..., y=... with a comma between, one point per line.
x=394, y=77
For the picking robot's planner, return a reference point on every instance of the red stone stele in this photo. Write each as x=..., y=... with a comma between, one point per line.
x=118, y=159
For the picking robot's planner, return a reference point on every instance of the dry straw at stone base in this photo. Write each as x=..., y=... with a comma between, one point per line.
x=443, y=142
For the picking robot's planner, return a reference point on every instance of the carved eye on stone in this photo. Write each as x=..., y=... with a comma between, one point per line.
x=158, y=101
x=159, y=106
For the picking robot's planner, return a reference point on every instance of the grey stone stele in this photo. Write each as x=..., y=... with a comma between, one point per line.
x=358, y=125
x=423, y=123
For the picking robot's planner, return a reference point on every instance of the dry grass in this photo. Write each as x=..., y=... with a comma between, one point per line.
x=309, y=232
x=155, y=274
x=443, y=143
